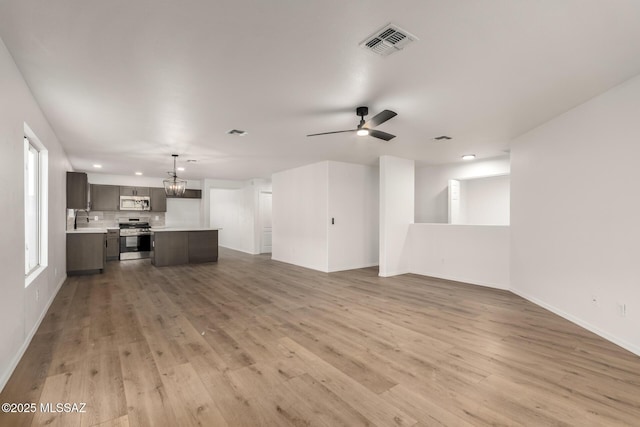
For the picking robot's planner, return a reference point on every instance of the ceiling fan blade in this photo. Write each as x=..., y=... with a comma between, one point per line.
x=329, y=133
x=380, y=135
x=380, y=118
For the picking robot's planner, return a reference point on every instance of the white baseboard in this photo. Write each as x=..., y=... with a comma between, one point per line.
x=355, y=267
x=464, y=280
x=393, y=273
x=622, y=343
x=16, y=359
x=238, y=249
x=322, y=269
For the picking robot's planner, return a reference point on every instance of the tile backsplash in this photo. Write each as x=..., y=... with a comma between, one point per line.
x=110, y=219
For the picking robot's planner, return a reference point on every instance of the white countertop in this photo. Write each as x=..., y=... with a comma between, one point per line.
x=86, y=230
x=160, y=229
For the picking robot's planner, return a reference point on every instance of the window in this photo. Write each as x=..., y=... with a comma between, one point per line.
x=35, y=203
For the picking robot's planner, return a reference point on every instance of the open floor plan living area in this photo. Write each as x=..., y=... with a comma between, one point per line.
x=319, y=213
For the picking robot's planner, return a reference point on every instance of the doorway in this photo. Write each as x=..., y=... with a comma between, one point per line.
x=265, y=222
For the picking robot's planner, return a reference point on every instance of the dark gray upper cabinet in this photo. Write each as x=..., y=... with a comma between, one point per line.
x=105, y=197
x=158, y=199
x=134, y=191
x=189, y=194
x=77, y=190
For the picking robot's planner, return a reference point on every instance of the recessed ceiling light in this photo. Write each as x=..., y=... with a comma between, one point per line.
x=97, y=166
x=138, y=173
x=468, y=157
x=180, y=169
x=237, y=132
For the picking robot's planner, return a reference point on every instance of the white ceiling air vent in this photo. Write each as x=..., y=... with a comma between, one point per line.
x=387, y=40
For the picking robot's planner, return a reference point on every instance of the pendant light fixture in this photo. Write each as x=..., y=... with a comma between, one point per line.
x=174, y=186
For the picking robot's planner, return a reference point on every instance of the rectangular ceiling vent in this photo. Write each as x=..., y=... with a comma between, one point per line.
x=387, y=40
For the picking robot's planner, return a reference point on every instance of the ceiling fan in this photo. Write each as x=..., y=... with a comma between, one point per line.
x=365, y=128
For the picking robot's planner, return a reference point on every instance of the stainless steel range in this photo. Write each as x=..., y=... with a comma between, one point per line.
x=135, y=238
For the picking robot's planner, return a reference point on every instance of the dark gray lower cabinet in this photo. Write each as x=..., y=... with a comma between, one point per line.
x=86, y=252
x=170, y=248
x=184, y=247
x=203, y=246
x=113, y=245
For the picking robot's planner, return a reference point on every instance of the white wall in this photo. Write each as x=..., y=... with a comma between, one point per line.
x=466, y=253
x=575, y=212
x=304, y=201
x=397, y=181
x=183, y=213
x=353, y=203
x=487, y=200
x=20, y=310
x=431, y=201
x=237, y=211
x=300, y=214
x=233, y=210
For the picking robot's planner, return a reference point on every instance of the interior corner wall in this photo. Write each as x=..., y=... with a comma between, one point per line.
x=354, y=206
x=397, y=192
x=574, y=215
x=487, y=200
x=299, y=216
x=233, y=210
x=431, y=198
x=22, y=309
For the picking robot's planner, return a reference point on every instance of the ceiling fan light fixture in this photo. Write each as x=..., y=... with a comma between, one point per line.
x=174, y=186
x=362, y=132
x=468, y=157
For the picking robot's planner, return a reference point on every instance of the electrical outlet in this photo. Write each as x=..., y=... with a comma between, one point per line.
x=95, y=218
x=622, y=309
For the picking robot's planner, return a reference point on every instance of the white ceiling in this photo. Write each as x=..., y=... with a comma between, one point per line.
x=128, y=83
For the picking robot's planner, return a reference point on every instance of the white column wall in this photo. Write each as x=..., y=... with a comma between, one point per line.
x=397, y=192
x=575, y=213
x=300, y=213
x=353, y=203
x=22, y=309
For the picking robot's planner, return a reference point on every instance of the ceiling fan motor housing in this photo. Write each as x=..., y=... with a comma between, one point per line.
x=362, y=111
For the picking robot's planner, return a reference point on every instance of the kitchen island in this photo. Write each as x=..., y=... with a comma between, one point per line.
x=184, y=245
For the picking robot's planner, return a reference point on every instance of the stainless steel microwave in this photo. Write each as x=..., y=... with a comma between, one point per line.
x=135, y=203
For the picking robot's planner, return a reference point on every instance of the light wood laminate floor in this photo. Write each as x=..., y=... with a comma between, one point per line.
x=248, y=341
